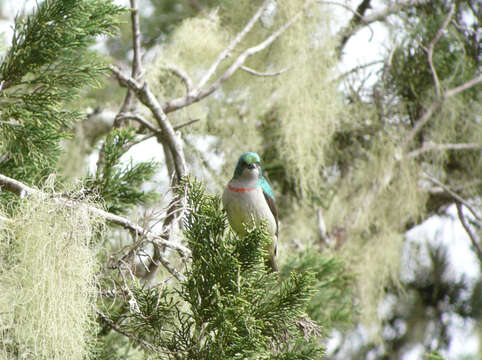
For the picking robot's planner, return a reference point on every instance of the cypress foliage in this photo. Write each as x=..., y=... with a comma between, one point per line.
x=230, y=306
x=117, y=184
x=46, y=65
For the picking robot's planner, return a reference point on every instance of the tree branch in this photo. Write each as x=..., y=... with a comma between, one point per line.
x=21, y=189
x=359, y=19
x=136, y=41
x=167, y=131
x=187, y=123
x=226, y=52
x=136, y=70
x=354, y=23
x=179, y=103
x=463, y=87
x=440, y=147
x=474, y=241
x=431, y=47
x=454, y=195
x=183, y=76
x=140, y=120
x=420, y=123
x=257, y=73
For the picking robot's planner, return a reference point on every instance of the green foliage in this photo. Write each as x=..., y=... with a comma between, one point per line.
x=117, y=184
x=434, y=356
x=230, y=306
x=332, y=301
x=44, y=69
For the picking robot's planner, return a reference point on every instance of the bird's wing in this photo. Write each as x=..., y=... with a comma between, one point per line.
x=271, y=203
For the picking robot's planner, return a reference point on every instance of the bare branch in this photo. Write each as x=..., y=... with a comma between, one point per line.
x=167, y=131
x=136, y=41
x=354, y=23
x=19, y=188
x=140, y=120
x=226, y=52
x=440, y=147
x=128, y=104
x=456, y=197
x=436, y=104
x=358, y=68
x=257, y=73
x=183, y=76
x=138, y=141
x=187, y=123
x=322, y=226
x=475, y=81
x=431, y=46
x=179, y=103
x=474, y=241
x=359, y=18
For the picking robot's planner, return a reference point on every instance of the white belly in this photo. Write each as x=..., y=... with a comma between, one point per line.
x=244, y=207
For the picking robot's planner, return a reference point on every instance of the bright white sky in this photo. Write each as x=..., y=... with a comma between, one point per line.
x=363, y=48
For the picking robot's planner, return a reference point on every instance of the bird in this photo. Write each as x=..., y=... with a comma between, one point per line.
x=247, y=197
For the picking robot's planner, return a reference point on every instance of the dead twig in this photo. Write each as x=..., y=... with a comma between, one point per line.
x=440, y=147
x=183, y=76
x=431, y=46
x=453, y=194
x=474, y=241
x=264, y=74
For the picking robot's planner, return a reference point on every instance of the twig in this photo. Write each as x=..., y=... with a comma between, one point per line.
x=183, y=76
x=389, y=10
x=430, y=49
x=10, y=123
x=257, y=73
x=118, y=329
x=453, y=194
x=357, y=22
x=226, y=52
x=440, y=147
x=464, y=86
x=4, y=157
x=187, y=123
x=138, y=141
x=358, y=68
x=474, y=241
x=140, y=120
x=322, y=226
x=388, y=62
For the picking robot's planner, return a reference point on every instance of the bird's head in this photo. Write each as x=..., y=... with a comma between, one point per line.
x=248, y=166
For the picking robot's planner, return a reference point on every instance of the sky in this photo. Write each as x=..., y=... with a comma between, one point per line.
x=365, y=47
